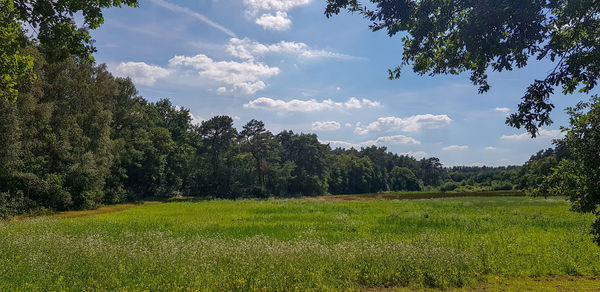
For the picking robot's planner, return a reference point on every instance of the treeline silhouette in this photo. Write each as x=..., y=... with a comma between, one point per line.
x=78, y=137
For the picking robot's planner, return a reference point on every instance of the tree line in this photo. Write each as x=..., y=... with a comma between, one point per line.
x=78, y=137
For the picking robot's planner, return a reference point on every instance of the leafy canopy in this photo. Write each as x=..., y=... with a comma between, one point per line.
x=14, y=66
x=579, y=176
x=52, y=23
x=455, y=36
x=51, y=26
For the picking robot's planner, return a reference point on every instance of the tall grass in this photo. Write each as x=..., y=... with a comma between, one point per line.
x=294, y=244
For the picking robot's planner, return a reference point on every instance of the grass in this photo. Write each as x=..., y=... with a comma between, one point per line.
x=476, y=242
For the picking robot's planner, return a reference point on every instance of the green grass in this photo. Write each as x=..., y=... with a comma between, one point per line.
x=300, y=244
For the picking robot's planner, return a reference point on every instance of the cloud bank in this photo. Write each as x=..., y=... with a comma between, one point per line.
x=311, y=105
x=380, y=141
x=409, y=124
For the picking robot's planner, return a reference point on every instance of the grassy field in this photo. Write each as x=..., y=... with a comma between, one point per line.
x=474, y=242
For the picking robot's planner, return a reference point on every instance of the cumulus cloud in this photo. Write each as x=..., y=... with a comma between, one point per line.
x=311, y=105
x=489, y=148
x=279, y=22
x=348, y=125
x=141, y=73
x=409, y=124
x=542, y=134
x=248, y=49
x=416, y=154
x=222, y=90
x=502, y=109
x=326, y=126
x=245, y=77
x=254, y=6
x=396, y=139
x=380, y=141
x=455, y=147
x=196, y=120
x=196, y=15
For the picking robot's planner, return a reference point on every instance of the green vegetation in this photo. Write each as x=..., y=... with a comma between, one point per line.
x=303, y=244
x=77, y=137
x=72, y=137
x=579, y=176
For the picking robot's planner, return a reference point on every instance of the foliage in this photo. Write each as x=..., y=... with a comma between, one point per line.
x=403, y=179
x=53, y=30
x=54, y=27
x=578, y=177
x=448, y=186
x=451, y=37
x=14, y=65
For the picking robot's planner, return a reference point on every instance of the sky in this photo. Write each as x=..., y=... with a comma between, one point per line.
x=285, y=63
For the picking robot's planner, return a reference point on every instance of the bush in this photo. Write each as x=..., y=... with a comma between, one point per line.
x=502, y=186
x=448, y=186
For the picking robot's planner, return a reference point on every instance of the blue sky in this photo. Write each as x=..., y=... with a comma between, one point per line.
x=285, y=63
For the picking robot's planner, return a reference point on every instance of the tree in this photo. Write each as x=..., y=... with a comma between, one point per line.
x=14, y=65
x=432, y=171
x=350, y=174
x=451, y=37
x=310, y=158
x=53, y=24
x=261, y=144
x=53, y=30
x=403, y=179
x=579, y=176
x=218, y=135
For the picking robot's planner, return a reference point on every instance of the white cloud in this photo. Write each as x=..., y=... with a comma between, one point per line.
x=416, y=154
x=311, y=105
x=502, y=109
x=409, y=124
x=141, y=73
x=248, y=49
x=279, y=22
x=196, y=120
x=380, y=141
x=340, y=144
x=326, y=126
x=348, y=125
x=542, y=134
x=396, y=139
x=245, y=77
x=490, y=148
x=189, y=12
x=254, y=6
x=455, y=147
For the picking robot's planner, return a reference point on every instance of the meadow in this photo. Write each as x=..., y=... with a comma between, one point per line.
x=299, y=244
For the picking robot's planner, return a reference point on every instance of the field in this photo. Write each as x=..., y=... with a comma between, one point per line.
x=474, y=242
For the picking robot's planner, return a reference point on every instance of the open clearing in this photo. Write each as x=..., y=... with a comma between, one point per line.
x=480, y=243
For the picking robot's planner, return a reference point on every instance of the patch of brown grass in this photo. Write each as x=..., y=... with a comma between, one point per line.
x=100, y=210
x=548, y=283
x=412, y=196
